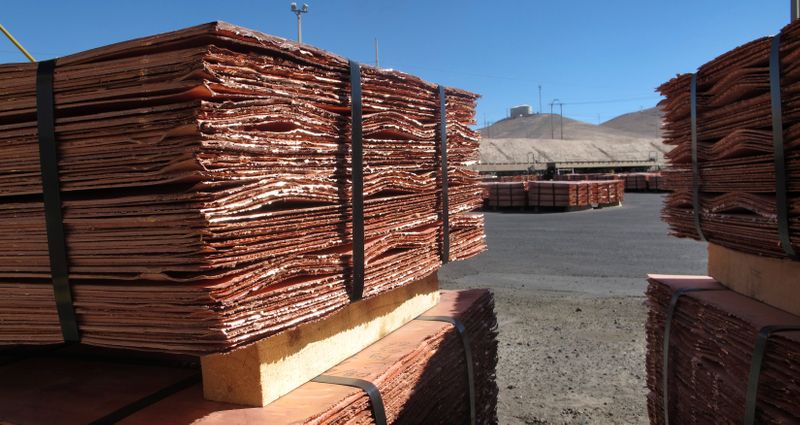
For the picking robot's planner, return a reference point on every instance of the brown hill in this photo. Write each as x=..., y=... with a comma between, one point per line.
x=519, y=150
x=634, y=136
x=546, y=126
x=646, y=122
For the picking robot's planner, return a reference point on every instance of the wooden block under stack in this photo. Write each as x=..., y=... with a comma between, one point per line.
x=770, y=280
x=267, y=369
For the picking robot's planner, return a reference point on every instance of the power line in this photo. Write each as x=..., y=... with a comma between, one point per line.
x=497, y=77
x=630, y=99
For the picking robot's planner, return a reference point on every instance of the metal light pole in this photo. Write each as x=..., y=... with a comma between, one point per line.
x=376, y=53
x=299, y=12
x=561, y=113
x=540, y=99
x=795, y=10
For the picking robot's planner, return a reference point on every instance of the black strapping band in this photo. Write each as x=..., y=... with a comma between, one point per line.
x=695, y=165
x=667, y=330
x=357, y=166
x=375, y=399
x=755, y=368
x=462, y=332
x=140, y=404
x=538, y=195
x=781, y=196
x=51, y=195
x=443, y=156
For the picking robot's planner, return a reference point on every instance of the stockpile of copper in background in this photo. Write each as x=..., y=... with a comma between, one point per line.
x=494, y=195
x=505, y=194
x=573, y=177
x=634, y=182
x=518, y=178
x=576, y=193
x=420, y=371
x=557, y=194
x=638, y=182
x=712, y=339
x=205, y=184
x=735, y=147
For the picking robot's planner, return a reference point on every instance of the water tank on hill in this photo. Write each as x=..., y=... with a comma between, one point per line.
x=521, y=111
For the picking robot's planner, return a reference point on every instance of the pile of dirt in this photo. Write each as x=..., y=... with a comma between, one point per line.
x=537, y=138
x=547, y=126
x=549, y=150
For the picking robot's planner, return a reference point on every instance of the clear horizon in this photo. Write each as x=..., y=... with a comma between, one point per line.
x=600, y=59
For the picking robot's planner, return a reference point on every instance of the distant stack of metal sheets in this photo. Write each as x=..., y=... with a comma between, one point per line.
x=735, y=153
x=518, y=178
x=206, y=186
x=634, y=182
x=558, y=194
x=553, y=194
x=505, y=194
x=573, y=177
x=587, y=193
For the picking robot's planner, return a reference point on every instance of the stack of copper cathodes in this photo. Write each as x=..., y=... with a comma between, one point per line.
x=505, y=194
x=735, y=153
x=420, y=371
x=634, y=182
x=553, y=194
x=586, y=193
x=712, y=341
x=206, y=184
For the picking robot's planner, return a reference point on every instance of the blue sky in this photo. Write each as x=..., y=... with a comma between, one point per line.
x=601, y=58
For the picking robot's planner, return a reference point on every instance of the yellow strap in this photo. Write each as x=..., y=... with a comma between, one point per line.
x=16, y=43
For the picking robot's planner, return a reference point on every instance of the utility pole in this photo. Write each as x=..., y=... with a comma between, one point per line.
x=376, y=53
x=795, y=10
x=299, y=12
x=561, y=113
x=540, y=97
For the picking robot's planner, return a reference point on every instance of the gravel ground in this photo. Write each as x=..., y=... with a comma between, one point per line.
x=569, y=289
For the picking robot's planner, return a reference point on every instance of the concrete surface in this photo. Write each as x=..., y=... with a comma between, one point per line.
x=569, y=289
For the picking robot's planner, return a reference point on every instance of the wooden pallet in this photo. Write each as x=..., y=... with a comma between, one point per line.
x=769, y=280
x=262, y=372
